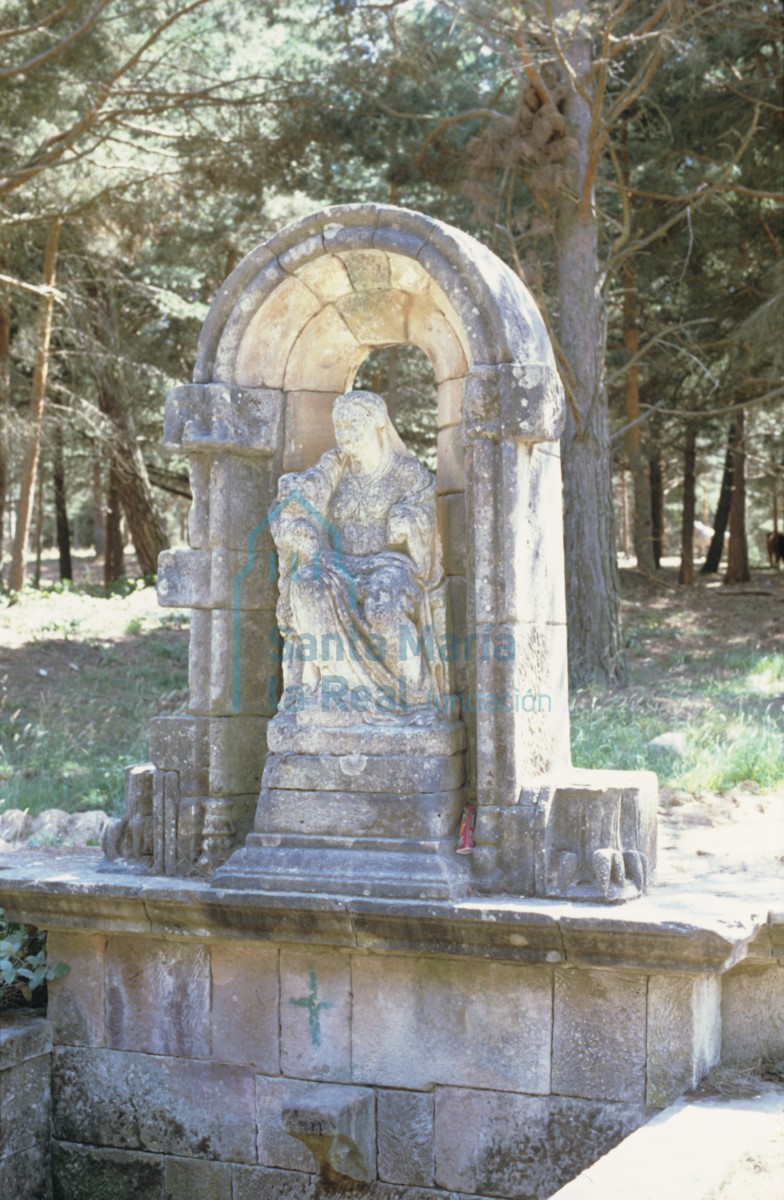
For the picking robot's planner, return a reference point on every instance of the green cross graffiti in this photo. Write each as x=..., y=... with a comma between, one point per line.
x=314, y=1006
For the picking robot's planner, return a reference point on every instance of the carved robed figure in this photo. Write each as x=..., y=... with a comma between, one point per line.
x=362, y=598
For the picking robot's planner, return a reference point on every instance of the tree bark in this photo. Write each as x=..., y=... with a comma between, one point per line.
x=114, y=560
x=686, y=573
x=99, y=516
x=38, y=540
x=642, y=522
x=713, y=557
x=60, y=505
x=16, y=577
x=738, y=553
x=657, y=507
x=133, y=485
x=592, y=587
x=5, y=405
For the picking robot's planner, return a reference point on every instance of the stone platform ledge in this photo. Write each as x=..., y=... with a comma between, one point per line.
x=688, y=1150
x=671, y=929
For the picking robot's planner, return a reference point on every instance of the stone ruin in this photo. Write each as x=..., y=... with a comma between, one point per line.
x=285, y=980
x=262, y=790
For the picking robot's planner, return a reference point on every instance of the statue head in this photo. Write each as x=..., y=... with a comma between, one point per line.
x=362, y=426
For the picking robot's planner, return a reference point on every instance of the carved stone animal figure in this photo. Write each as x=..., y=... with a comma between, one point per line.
x=775, y=544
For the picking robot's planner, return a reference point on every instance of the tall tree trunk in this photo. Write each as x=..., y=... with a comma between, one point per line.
x=133, y=485
x=686, y=573
x=5, y=404
x=39, y=528
x=713, y=557
x=738, y=553
x=624, y=517
x=16, y=577
x=60, y=504
x=642, y=528
x=657, y=507
x=98, y=506
x=114, y=560
x=592, y=588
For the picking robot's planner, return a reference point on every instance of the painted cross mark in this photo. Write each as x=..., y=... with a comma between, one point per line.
x=314, y=1006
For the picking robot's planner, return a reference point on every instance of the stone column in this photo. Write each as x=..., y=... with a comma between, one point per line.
x=233, y=438
x=518, y=684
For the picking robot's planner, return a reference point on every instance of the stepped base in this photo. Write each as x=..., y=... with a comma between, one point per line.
x=355, y=812
x=343, y=866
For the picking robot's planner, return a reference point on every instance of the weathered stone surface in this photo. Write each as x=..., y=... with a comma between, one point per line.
x=337, y=1125
x=361, y=814
x=599, y=1046
x=207, y=579
x=245, y=1016
x=92, y=1173
x=683, y=1033
x=409, y=1012
x=286, y=736
x=309, y=431
x=175, y=1106
x=266, y=340
x=518, y=400
x=324, y=356
x=23, y=1035
x=377, y=318
x=26, y=1105
x=26, y=1175
x=431, y=331
x=158, y=997
x=76, y=1002
x=276, y=1147
x=327, y=277
x=252, y=1183
x=315, y=1015
x=593, y=833
x=182, y=744
x=450, y=402
x=367, y=773
x=189, y=1179
x=451, y=460
x=241, y=491
x=200, y=418
x=497, y=1144
x=406, y=1152
x=452, y=522
x=752, y=1014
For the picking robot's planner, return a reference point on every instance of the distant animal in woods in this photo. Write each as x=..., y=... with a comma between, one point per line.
x=703, y=536
x=775, y=544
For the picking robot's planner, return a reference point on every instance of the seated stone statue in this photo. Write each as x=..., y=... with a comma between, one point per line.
x=361, y=606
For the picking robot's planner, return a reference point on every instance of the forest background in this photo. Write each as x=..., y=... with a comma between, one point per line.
x=624, y=158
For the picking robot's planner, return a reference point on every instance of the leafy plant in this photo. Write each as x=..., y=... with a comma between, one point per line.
x=23, y=968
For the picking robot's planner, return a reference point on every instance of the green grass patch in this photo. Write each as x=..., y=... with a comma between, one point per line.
x=77, y=694
x=728, y=702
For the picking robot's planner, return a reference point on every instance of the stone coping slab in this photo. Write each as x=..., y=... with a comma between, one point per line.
x=671, y=929
x=687, y=1150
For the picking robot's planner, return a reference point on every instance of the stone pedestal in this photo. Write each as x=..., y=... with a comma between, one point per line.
x=378, y=823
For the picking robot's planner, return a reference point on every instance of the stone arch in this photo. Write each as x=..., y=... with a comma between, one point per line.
x=285, y=334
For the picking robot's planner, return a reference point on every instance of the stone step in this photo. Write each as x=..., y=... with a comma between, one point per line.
x=359, y=814
x=405, y=871
x=285, y=735
x=394, y=773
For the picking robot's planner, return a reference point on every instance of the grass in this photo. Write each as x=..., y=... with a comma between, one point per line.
x=83, y=675
x=728, y=701
x=77, y=692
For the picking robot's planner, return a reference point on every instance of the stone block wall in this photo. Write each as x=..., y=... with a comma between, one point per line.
x=25, y=1106
x=181, y=1063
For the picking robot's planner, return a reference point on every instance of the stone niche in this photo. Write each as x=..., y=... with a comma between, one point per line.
x=284, y=337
